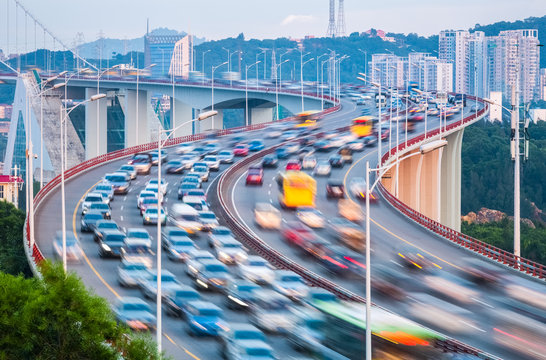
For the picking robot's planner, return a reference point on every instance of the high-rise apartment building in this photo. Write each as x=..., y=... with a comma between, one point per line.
x=158, y=50
x=542, y=83
x=181, y=59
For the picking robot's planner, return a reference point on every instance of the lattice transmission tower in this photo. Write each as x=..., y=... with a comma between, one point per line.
x=340, y=28
x=331, y=32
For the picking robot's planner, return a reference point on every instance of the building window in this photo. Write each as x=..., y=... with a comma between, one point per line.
x=1, y=191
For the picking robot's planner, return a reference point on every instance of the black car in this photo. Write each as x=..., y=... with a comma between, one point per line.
x=336, y=161
x=335, y=189
x=175, y=167
x=111, y=243
x=270, y=161
x=342, y=261
x=90, y=219
x=239, y=294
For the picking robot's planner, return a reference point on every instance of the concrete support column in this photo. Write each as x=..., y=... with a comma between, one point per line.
x=95, y=138
x=218, y=122
x=261, y=115
x=430, y=184
x=407, y=180
x=450, y=213
x=136, y=125
x=182, y=113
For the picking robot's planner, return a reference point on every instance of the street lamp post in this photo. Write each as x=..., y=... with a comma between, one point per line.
x=246, y=91
x=63, y=120
x=318, y=62
x=278, y=85
x=203, y=65
x=365, y=61
x=160, y=144
x=230, y=65
x=212, y=86
x=257, y=68
x=301, y=82
x=425, y=148
x=322, y=83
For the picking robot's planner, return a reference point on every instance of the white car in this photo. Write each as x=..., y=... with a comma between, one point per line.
x=212, y=162
x=230, y=251
x=92, y=197
x=290, y=284
x=188, y=160
x=292, y=148
x=202, y=171
x=185, y=148
x=323, y=168
x=150, y=216
x=145, y=194
x=219, y=234
x=267, y=216
x=194, y=258
x=208, y=220
x=225, y=156
x=272, y=312
x=256, y=269
x=163, y=184
x=310, y=217
x=309, y=162
x=139, y=234
x=185, y=217
x=356, y=145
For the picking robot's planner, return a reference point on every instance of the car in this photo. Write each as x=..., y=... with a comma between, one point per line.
x=250, y=349
x=175, y=167
x=212, y=162
x=208, y=220
x=212, y=148
x=143, y=195
x=131, y=273
x=335, y=189
x=230, y=251
x=236, y=140
x=237, y=332
x=240, y=294
x=186, y=217
x=296, y=233
x=89, y=220
x=307, y=334
x=134, y=312
x=90, y=198
x=101, y=226
x=292, y=148
x=310, y=217
x=73, y=249
x=290, y=284
x=196, y=202
x=267, y=216
x=254, y=176
x=369, y=140
x=200, y=193
x=270, y=311
x=201, y=171
x=200, y=152
x=185, y=148
x=103, y=208
x=185, y=187
x=413, y=261
x=155, y=153
x=130, y=169
x=204, y=319
x=350, y=210
x=153, y=188
x=225, y=156
x=153, y=183
x=195, y=256
x=347, y=232
x=240, y=150
x=211, y=274
x=342, y=261
x=309, y=162
x=148, y=285
x=171, y=232
x=336, y=161
x=146, y=203
x=323, y=168
x=142, y=163
x=177, y=301
x=139, y=234
x=346, y=154
x=273, y=132
x=256, y=145
x=120, y=182
x=188, y=160
x=217, y=234
x=289, y=135
x=111, y=243
x=357, y=188
x=323, y=145
x=150, y=216
x=293, y=164
x=178, y=248
x=281, y=152
x=256, y=269
x=194, y=179
x=105, y=188
x=270, y=161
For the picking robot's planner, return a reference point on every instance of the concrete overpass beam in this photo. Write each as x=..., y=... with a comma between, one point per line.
x=95, y=125
x=261, y=115
x=136, y=121
x=182, y=113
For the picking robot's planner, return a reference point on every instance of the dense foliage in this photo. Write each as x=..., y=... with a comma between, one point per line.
x=58, y=318
x=12, y=255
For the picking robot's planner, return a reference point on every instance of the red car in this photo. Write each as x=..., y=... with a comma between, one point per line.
x=293, y=164
x=296, y=233
x=254, y=176
x=240, y=150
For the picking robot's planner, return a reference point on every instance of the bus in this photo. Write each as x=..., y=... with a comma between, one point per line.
x=307, y=118
x=296, y=189
x=345, y=326
x=362, y=126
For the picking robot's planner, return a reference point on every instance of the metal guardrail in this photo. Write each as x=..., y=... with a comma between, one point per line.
x=486, y=250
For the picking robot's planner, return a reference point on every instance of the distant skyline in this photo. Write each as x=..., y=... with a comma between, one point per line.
x=217, y=19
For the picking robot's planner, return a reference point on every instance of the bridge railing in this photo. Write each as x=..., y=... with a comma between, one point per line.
x=489, y=251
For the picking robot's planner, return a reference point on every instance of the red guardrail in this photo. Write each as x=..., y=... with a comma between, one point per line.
x=491, y=252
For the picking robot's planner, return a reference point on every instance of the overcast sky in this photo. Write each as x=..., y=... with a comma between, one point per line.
x=216, y=19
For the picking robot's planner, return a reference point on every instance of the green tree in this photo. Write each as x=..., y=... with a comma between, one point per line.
x=12, y=254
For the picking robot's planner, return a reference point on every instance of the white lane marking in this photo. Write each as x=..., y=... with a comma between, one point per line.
x=483, y=303
x=270, y=184
x=284, y=220
x=394, y=262
x=271, y=201
x=269, y=192
x=121, y=217
x=124, y=198
x=121, y=207
x=128, y=191
x=473, y=326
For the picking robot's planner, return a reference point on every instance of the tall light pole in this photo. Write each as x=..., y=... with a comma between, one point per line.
x=301, y=82
x=365, y=61
x=278, y=85
x=63, y=120
x=230, y=65
x=280, y=62
x=137, y=100
x=228, y=58
x=425, y=148
x=264, y=51
x=203, y=64
x=212, y=97
x=379, y=94
x=322, y=83
x=319, y=63
x=247, y=122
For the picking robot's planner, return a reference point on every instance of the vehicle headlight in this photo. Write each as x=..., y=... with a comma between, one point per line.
x=198, y=325
x=106, y=247
x=107, y=214
x=223, y=255
x=147, y=218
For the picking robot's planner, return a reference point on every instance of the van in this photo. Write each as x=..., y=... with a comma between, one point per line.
x=186, y=217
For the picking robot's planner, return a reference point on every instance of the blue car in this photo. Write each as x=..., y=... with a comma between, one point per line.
x=204, y=319
x=177, y=301
x=256, y=145
x=281, y=153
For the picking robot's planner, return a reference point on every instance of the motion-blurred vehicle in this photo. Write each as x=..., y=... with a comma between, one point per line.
x=281, y=152
x=240, y=150
x=169, y=284
x=256, y=269
x=185, y=187
x=175, y=167
x=230, y=251
x=296, y=233
x=130, y=274
x=211, y=275
x=290, y=284
x=196, y=202
x=456, y=289
x=177, y=301
x=239, y=331
x=89, y=220
x=101, y=226
x=270, y=311
x=256, y=145
x=105, y=188
x=163, y=187
x=390, y=283
x=212, y=162
x=155, y=155
x=309, y=162
x=336, y=161
x=293, y=164
x=346, y=154
x=101, y=207
x=208, y=220
x=250, y=349
x=193, y=178
x=323, y=145
x=137, y=249
x=240, y=294
x=340, y=260
x=348, y=233
x=267, y=216
x=151, y=216
x=218, y=234
x=111, y=243
x=323, y=168
x=356, y=145
x=142, y=162
x=335, y=189
x=186, y=218
x=201, y=171
x=370, y=140
x=350, y=210
x=129, y=169
x=184, y=148
x=143, y=195
x=225, y=156
x=270, y=161
x=357, y=188
x=146, y=203
x=74, y=251
x=178, y=248
x=307, y=334
x=254, y=176
x=310, y=217
x=188, y=160
x=204, y=319
x=415, y=261
x=195, y=257
x=91, y=198
x=134, y=312
x=296, y=189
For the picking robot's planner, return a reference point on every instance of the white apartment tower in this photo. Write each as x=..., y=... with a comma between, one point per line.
x=181, y=59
